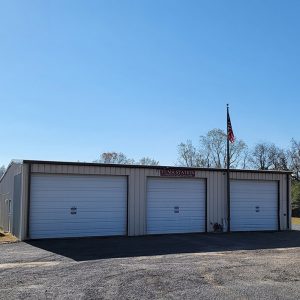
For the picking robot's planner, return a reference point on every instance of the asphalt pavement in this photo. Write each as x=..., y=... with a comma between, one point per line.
x=193, y=266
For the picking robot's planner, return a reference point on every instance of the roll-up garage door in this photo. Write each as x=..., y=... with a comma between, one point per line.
x=254, y=205
x=176, y=205
x=77, y=206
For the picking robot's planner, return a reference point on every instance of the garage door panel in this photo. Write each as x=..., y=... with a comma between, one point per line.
x=77, y=225
x=53, y=215
x=165, y=195
x=68, y=204
x=254, y=205
x=73, y=233
x=100, y=202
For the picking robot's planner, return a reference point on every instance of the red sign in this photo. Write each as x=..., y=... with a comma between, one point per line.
x=177, y=173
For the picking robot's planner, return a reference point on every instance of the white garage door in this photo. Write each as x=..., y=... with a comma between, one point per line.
x=76, y=206
x=175, y=205
x=254, y=205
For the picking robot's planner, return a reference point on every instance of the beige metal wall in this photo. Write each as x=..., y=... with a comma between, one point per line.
x=137, y=189
x=6, y=193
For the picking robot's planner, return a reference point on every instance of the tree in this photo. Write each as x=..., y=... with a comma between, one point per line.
x=295, y=194
x=278, y=158
x=2, y=170
x=121, y=158
x=212, y=152
x=266, y=156
x=260, y=158
x=114, y=158
x=294, y=158
x=213, y=146
x=189, y=156
x=147, y=161
x=245, y=159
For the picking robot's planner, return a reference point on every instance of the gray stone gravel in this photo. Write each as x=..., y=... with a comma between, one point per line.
x=296, y=227
x=196, y=266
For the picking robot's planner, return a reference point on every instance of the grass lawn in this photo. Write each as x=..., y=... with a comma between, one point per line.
x=296, y=221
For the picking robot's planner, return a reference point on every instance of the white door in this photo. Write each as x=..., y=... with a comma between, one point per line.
x=77, y=206
x=254, y=205
x=175, y=205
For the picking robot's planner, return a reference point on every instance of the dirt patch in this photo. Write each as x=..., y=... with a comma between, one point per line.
x=296, y=221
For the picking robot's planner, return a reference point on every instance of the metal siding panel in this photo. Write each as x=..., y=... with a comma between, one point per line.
x=205, y=175
x=283, y=211
x=220, y=196
x=216, y=199
x=47, y=168
x=24, y=202
x=211, y=198
x=100, y=202
x=40, y=168
x=36, y=168
x=69, y=169
x=223, y=197
x=7, y=194
x=58, y=169
x=130, y=204
x=76, y=170
x=81, y=170
x=142, y=201
x=90, y=170
x=121, y=171
x=53, y=169
x=87, y=170
x=96, y=170
x=136, y=201
x=17, y=193
x=64, y=169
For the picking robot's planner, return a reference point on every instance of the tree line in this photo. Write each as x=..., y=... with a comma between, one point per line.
x=211, y=153
x=121, y=158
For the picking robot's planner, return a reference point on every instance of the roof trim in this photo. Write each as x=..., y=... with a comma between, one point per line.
x=148, y=167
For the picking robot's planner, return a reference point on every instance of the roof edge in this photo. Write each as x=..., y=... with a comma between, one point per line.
x=50, y=162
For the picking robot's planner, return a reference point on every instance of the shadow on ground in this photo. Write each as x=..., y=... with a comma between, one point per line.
x=81, y=249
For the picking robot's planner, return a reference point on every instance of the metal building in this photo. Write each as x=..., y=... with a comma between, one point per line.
x=47, y=199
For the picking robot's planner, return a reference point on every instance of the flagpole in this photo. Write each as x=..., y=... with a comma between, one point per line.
x=228, y=173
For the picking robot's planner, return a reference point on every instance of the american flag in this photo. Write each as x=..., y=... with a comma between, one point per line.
x=230, y=134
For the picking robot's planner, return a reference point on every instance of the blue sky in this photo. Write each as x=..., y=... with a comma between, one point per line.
x=81, y=77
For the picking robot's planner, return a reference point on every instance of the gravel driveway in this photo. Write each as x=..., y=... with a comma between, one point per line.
x=296, y=227
x=196, y=266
